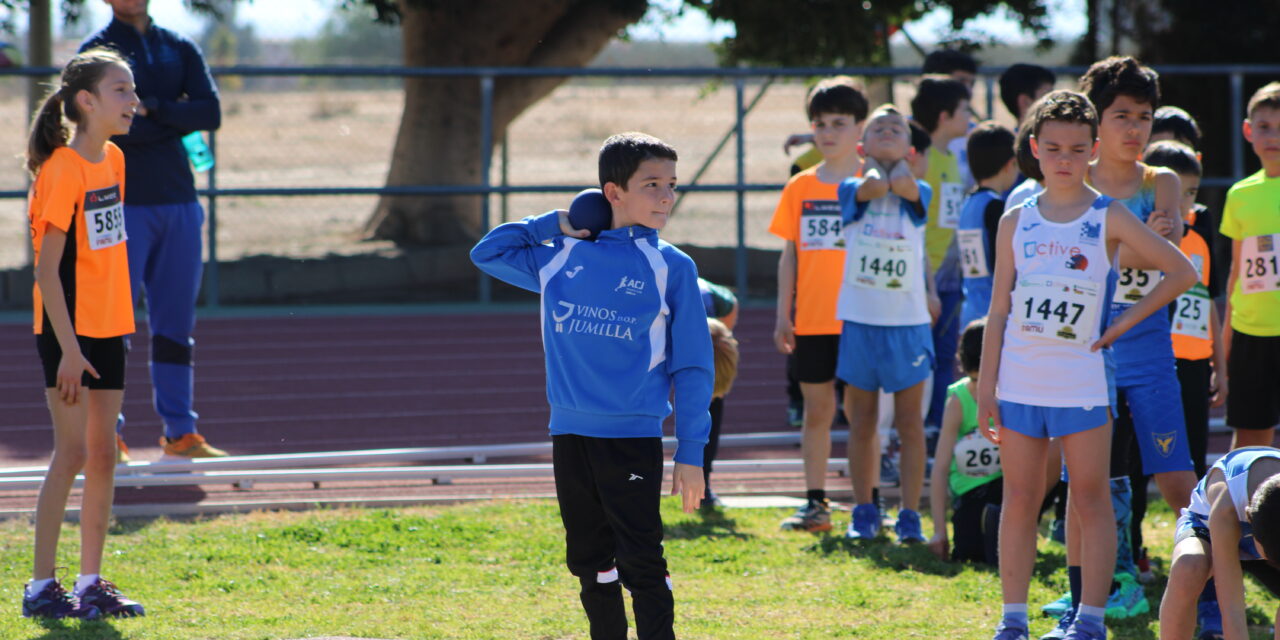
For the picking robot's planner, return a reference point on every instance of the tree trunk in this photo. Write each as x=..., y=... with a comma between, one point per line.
x=440, y=131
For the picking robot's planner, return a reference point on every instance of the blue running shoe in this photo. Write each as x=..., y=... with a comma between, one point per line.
x=1210, y=618
x=1082, y=630
x=908, y=527
x=107, y=598
x=1128, y=600
x=54, y=602
x=1064, y=624
x=865, y=524
x=1059, y=607
x=1007, y=632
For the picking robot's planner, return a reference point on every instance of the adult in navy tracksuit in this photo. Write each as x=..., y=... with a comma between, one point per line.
x=622, y=323
x=162, y=216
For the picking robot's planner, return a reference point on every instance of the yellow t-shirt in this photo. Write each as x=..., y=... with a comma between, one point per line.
x=807, y=160
x=944, y=211
x=1251, y=211
x=808, y=214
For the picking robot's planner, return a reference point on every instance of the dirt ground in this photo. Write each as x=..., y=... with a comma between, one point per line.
x=334, y=137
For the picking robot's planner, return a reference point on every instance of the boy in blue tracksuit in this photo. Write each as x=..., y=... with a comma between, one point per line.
x=622, y=323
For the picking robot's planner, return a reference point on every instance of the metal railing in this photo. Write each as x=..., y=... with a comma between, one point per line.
x=486, y=77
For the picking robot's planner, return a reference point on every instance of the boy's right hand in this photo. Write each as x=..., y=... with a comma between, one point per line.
x=70, y=369
x=784, y=336
x=989, y=422
x=940, y=547
x=567, y=229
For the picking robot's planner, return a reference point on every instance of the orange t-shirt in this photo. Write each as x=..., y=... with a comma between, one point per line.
x=1197, y=250
x=808, y=214
x=85, y=200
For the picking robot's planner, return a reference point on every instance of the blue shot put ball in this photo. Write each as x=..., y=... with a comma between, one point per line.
x=590, y=210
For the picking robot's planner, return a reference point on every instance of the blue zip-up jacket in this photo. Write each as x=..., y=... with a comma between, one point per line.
x=174, y=85
x=622, y=323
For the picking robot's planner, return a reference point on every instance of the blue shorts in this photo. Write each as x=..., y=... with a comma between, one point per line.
x=889, y=358
x=1155, y=405
x=1050, y=422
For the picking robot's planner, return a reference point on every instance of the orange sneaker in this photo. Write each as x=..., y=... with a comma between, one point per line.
x=122, y=451
x=191, y=445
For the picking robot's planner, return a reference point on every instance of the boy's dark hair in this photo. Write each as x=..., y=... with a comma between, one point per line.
x=1173, y=155
x=990, y=148
x=920, y=139
x=48, y=132
x=622, y=154
x=1120, y=76
x=970, y=351
x=935, y=96
x=947, y=61
x=1064, y=106
x=839, y=95
x=1263, y=513
x=1268, y=96
x=1028, y=164
x=1022, y=80
x=1175, y=120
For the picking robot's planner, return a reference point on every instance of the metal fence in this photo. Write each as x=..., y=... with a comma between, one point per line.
x=309, y=146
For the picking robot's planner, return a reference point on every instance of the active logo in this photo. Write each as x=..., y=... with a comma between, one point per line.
x=1090, y=233
x=1034, y=249
x=573, y=272
x=1164, y=442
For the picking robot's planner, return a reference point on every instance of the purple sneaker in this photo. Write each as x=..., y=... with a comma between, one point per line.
x=108, y=599
x=54, y=602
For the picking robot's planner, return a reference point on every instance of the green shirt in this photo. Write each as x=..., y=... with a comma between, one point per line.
x=962, y=483
x=1253, y=209
x=944, y=178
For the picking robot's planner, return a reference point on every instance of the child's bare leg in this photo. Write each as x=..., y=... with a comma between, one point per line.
x=1022, y=460
x=1188, y=571
x=1176, y=487
x=1088, y=461
x=862, y=408
x=68, y=458
x=815, y=439
x=99, y=476
x=910, y=425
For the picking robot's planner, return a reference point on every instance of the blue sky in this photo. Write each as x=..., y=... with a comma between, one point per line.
x=293, y=18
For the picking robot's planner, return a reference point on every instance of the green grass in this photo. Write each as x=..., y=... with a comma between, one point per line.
x=495, y=570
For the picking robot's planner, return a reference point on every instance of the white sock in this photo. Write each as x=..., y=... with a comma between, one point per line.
x=35, y=586
x=84, y=582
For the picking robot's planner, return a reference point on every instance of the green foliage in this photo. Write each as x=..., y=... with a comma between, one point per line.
x=837, y=32
x=352, y=35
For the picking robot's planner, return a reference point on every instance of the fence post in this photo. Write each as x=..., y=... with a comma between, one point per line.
x=504, y=206
x=991, y=96
x=1233, y=129
x=211, y=267
x=739, y=86
x=486, y=159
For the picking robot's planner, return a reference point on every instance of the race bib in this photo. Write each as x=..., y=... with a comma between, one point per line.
x=973, y=253
x=820, y=225
x=1259, y=265
x=952, y=197
x=1191, y=314
x=1135, y=284
x=1056, y=308
x=976, y=456
x=883, y=263
x=104, y=217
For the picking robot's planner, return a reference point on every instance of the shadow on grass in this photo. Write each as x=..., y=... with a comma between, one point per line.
x=890, y=555
x=62, y=630
x=704, y=525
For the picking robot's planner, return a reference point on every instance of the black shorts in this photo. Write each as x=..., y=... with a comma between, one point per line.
x=816, y=358
x=1254, y=370
x=975, y=529
x=107, y=355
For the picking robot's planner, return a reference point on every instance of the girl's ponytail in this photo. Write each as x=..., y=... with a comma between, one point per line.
x=47, y=132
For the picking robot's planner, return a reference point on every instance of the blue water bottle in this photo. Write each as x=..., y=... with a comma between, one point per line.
x=199, y=153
